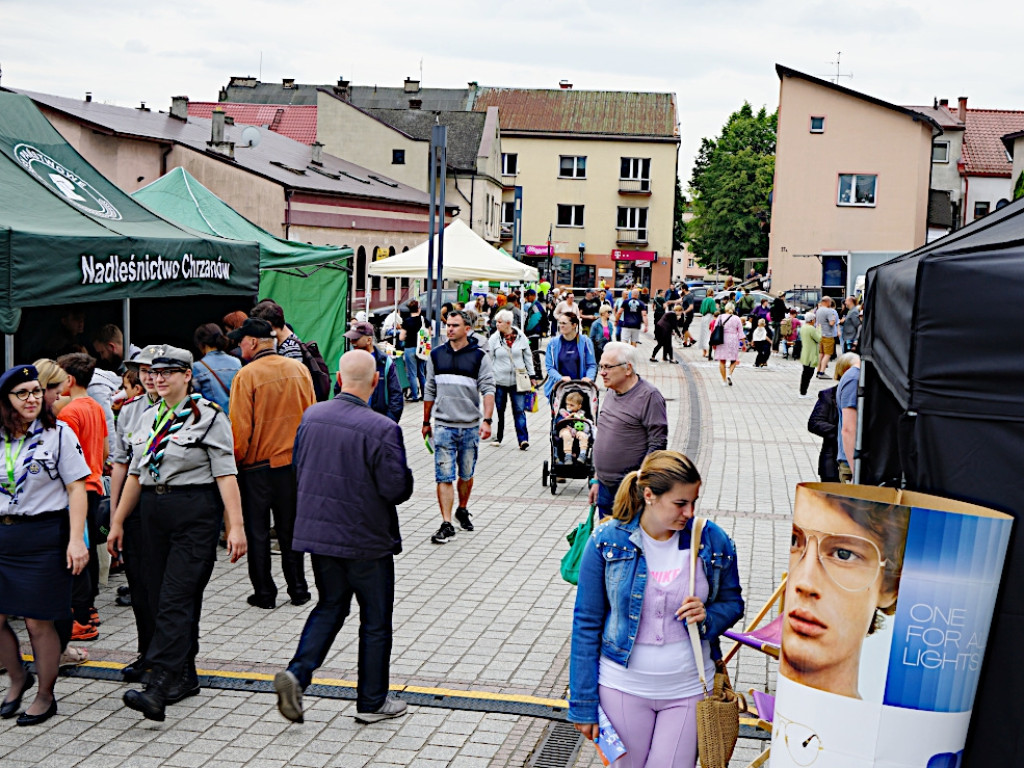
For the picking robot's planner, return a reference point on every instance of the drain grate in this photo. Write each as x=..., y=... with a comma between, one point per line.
x=558, y=747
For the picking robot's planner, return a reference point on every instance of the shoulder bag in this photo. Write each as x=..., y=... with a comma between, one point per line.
x=422, y=341
x=577, y=538
x=214, y=374
x=718, y=714
x=523, y=383
x=717, y=337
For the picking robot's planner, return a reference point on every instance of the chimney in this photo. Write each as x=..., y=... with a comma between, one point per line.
x=961, y=112
x=318, y=153
x=288, y=82
x=217, y=143
x=142, y=107
x=179, y=107
x=412, y=86
x=415, y=103
x=565, y=85
x=88, y=96
x=343, y=89
x=943, y=102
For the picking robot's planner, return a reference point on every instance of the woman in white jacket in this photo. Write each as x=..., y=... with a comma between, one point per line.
x=510, y=350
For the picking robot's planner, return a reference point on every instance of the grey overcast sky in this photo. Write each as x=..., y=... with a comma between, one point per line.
x=713, y=54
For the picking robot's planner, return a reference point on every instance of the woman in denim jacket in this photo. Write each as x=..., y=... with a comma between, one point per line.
x=212, y=375
x=630, y=649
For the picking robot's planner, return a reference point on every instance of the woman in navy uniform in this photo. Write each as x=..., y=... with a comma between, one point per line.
x=182, y=475
x=42, y=536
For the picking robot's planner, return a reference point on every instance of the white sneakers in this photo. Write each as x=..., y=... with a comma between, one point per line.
x=392, y=707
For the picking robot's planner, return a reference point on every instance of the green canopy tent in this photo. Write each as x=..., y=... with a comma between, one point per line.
x=311, y=282
x=69, y=236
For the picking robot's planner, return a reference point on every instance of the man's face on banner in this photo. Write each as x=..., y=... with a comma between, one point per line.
x=834, y=586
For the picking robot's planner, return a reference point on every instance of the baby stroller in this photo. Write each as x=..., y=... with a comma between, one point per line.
x=579, y=464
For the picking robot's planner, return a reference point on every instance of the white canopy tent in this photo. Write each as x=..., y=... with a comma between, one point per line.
x=467, y=256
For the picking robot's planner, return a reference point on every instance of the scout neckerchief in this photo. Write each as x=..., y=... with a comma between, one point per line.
x=17, y=472
x=167, y=422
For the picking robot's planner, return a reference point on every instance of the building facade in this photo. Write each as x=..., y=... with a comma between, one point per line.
x=851, y=174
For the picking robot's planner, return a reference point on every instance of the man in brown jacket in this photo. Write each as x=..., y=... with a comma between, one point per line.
x=268, y=398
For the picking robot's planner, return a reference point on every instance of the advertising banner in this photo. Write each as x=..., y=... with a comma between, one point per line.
x=887, y=610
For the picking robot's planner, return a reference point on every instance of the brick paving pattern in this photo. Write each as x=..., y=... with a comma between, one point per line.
x=487, y=612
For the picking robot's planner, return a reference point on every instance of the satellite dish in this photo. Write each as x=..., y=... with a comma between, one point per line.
x=250, y=136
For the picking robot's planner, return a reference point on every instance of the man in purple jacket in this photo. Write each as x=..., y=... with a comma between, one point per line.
x=351, y=470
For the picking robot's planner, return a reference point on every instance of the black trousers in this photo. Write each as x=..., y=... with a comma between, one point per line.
x=805, y=378
x=372, y=582
x=135, y=571
x=179, y=535
x=265, y=489
x=664, y=339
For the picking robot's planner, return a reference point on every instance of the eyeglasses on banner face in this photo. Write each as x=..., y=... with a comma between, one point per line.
x=802, y=743
x=25, y=394
x=166, y=373
x=852, y=562
x=605, y=368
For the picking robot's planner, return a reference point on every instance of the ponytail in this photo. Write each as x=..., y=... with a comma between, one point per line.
x=629, y=499
x=660, y=472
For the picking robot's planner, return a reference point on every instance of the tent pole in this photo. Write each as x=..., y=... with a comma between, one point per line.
x=8, y=350
x=126, y=326
x=441, y=134
x=432, y=318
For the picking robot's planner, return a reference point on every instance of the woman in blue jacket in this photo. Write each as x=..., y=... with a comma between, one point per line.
x=630, y=649
x=569, y=355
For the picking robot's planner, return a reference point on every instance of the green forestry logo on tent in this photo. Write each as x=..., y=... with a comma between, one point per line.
x=65, y=183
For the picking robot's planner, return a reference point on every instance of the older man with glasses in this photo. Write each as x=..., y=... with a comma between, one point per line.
x=632, y=423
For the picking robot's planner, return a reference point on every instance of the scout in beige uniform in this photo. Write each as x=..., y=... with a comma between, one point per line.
x=182, y=474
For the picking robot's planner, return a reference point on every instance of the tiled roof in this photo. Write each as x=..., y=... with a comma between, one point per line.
x=297, y=122
x=465, y=130
x=363, y=96
x=616, y=113
x=984, y=153
x=275, y=157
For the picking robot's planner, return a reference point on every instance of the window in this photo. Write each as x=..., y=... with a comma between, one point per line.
x=635, y=168
x=981, y=209
x=572, y=167
x=940, y=152
x=857, y=189
x=691, y=263
x=632, y=218
x=817, y=124
x=509, y=164
x=508, y=213
x=398, y=157
x=570, y=215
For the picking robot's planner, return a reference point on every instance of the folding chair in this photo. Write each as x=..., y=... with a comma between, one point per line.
x=767, y=639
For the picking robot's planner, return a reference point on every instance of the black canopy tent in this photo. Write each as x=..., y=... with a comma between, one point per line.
x=943, y=413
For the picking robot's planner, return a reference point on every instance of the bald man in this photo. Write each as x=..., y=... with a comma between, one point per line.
x=352, y=472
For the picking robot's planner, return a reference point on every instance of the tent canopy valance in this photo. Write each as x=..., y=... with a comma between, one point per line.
x=68, y=235
x=467, y=256
x=178, y=196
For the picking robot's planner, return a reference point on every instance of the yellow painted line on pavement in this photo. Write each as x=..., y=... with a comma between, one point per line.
x=510, y=697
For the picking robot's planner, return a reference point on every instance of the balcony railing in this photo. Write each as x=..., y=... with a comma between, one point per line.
x=629, y=235
x=506, y=231
x=509, y=179
x=634, y=186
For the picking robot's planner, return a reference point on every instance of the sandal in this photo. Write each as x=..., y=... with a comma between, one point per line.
x=72, y=657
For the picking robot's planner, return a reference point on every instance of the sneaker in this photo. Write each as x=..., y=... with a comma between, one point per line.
x=652, y=360
x=524, y=445
x=823, y=376
x=289, y=696
x=462, y=515
x=444, y=534
x=729, y=379
x=94, y=617
x=803, y=397
x=495, y=442
x=725, y=383
x=392, y=707
x=81, y=632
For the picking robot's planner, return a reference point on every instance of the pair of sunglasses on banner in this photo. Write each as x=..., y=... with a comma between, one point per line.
x=852, y=562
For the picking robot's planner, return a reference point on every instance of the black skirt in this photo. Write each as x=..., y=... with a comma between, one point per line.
x=35, y=581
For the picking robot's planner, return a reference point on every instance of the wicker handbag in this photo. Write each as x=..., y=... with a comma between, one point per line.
x=718, y=715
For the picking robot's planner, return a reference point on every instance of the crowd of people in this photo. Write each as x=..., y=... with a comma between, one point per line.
x=239, y=447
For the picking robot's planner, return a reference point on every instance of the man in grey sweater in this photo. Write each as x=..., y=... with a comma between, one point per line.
x=633, y=422
x=459, y=375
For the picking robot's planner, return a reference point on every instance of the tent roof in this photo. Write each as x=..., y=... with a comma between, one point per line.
x=69, y=235
x=467, y=256
x=931, y=331
x=178, y=196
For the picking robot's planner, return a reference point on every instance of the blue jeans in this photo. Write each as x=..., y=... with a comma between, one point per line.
x=373, y=584
x=455, y=449
x=605, y=499
x=416, y=371
x=501, y=396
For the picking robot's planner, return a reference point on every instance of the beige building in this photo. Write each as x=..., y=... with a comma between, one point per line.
x=597, y=171
x=851, y=174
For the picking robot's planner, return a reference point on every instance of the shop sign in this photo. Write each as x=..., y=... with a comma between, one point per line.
x=544, y=250
x=618, y=255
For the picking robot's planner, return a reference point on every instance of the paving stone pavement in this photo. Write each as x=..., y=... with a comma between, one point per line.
x=487, y=612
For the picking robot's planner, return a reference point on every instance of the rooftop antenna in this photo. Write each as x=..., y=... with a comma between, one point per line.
x=834, y=77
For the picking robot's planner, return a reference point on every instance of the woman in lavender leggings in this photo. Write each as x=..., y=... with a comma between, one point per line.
x=633, y=658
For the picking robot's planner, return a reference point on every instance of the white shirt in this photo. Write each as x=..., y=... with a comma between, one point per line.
x=56, y=461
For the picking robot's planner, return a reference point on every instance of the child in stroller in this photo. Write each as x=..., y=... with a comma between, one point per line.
x=573, y=426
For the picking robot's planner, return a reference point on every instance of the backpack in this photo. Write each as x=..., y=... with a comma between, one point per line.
x=540, y=325
x=314, y=362
x=786, y=327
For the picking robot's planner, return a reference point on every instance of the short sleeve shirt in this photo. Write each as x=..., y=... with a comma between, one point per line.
x=56, y=461
x=822, y=317
x=197, y=454
x=85, y=416
x=130, y=421
x=632, y=313
x=846, y=397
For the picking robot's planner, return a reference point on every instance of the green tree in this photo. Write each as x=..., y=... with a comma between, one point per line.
x=1018, y=188
x=731, y=187
x=678, y=225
